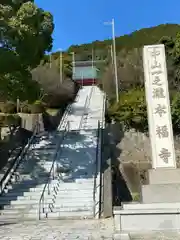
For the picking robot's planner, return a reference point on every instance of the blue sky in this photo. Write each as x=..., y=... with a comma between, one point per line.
x=81, y=21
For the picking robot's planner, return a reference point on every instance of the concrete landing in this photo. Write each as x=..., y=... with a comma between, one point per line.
x=59, y=230
x=147, y=217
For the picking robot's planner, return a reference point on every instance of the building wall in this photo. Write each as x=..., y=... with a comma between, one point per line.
x=86, y=82
x=85, y=72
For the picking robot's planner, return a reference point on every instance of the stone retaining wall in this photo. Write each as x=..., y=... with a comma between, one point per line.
x=133, y=154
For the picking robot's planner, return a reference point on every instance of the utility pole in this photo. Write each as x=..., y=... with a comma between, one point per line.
x=60, y=66
x=93, y=65
x=50, y=61
x=115, y=60
x=73, y=63
x=82, y=78
x=112, y=58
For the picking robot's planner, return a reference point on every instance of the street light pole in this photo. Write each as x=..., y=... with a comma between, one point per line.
x=50, y=60
x=60, y=66
x=115, y=60
x=112, y=58
x=93, y=66
x=82, y=78
x=73, y=63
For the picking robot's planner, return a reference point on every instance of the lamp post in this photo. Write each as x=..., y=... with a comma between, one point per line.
x=82, y=78
x=73, y=63
x=115, y=60
x=60, y=65
x=93, y=66
x=50, y=60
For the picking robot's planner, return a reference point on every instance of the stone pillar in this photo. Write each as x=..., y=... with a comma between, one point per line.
x=159, y=115
x=164, y=178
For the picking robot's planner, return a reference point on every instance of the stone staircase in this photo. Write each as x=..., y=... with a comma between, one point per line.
x=75, y=196
x=74, y=200
x=58, y=179
x=20, y=198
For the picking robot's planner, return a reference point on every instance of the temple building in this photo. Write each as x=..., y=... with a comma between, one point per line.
x=85, y=73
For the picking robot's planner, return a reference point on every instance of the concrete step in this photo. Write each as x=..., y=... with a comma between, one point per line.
x=28, y=170
x=21, y=211
x=74, y=194
x=8, y=218
x=16, y=194
x=29, y=201
x=85, y=180
x=71, y=203
x=19, y=217
x=137, y=205
x=74, y=188
x=31, y=189
x=34, y=197
x=70, y=215
x=24, y=206
x=23, y=181
x=72, y=209
x=13, y=212
x=35, y=182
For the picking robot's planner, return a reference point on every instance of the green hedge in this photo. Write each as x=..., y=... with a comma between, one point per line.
x=25, y=107
x=131, y=110
x=8, y=107
x=10, y=120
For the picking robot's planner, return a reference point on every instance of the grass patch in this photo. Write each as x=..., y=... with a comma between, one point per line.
x=52, y=111
x=136, y=197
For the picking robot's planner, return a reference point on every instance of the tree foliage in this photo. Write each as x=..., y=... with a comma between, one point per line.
x=56, y=90
x=128, y=42
x=25, y=37
x=131, y=110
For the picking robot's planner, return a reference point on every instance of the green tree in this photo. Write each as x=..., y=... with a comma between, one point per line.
x=25, y=37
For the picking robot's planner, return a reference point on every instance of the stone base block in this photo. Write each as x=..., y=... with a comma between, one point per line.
x=152, y=219
x=121, y=236
x=159, y=193
x=164, y=176
x=149, y=206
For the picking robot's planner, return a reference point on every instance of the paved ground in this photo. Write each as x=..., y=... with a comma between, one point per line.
x=156, y=236
x=59, y=230
x=73, y=229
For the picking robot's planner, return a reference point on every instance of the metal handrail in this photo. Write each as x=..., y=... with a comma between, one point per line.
x=86, y=105
x=66, y=113
x=96, y=169
x=15, y=164
x=61, y=127
x=51, y=172
x=98, y=158
x=80, y=124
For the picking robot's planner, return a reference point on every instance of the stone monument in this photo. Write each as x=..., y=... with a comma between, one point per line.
x=159, y=208
x=164, y=172
x=158, y=106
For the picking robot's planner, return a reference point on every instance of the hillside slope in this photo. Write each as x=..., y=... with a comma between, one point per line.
x=134, y=40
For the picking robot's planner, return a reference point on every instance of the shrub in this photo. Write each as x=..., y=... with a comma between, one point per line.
x=2, y=121
x=36, y=108
x=175, y=111
x=24, y=107
x=12, y=120
x=130, y=111
x=8, y=107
